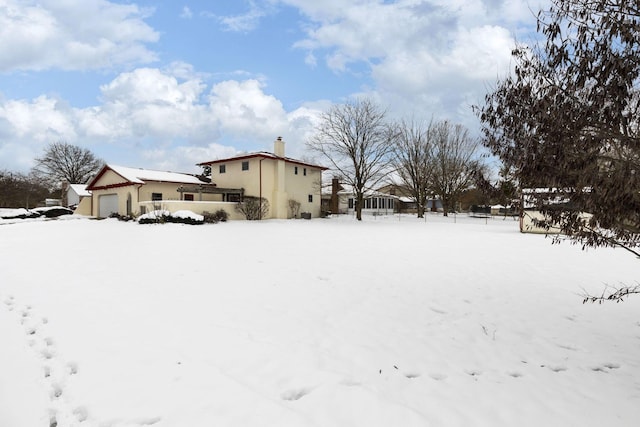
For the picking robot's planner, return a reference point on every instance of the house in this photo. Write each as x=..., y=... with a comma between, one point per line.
x=127, y=191
x=342, y=196
x=272, y=176
x=406, y=202
x=531, y=216
x=74, y=193
x=282, y=181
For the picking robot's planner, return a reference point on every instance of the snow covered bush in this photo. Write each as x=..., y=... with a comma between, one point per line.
x=154, y=217
x=179, y=217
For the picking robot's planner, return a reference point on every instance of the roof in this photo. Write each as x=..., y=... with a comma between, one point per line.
x=265, y=155
x=141, y=176
x=80, y=189
x=347, y=190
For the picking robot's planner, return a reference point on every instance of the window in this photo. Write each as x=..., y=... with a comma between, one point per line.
x=375, y=203
x=156, y=196
x=304, y=171
x=295, y=170
x=350, y=203
x=245, y=166
x=233, y=197
x=223, y=168
x=188, y=197
x=367, y=204
x=310, y=198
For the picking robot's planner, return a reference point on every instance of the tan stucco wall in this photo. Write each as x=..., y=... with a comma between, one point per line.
x=84, y=207
x=122, y=193
x=138, y=193
x=196, y=207
x=110, y=178
x=169, y=191
x=296, y=187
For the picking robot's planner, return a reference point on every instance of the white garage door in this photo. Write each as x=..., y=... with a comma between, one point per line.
x=107, y=205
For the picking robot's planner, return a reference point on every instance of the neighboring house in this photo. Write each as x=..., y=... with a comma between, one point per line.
x=529, y=212
x=75, y=193
x=406, y=202
x=274, y=177
x=374, y=202
x=278, y=179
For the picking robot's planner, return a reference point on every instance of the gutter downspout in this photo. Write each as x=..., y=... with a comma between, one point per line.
x=260, y=200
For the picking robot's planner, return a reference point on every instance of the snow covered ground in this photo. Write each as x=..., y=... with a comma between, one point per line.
x=328, y=322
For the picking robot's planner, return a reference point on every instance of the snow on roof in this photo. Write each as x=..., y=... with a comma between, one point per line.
x=80, y=189
x=140, y=176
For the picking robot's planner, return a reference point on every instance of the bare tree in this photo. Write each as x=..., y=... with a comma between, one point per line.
x=454, y=162
x=356, y=140
x=19, y=190
x=412, y=158
x=65, y=162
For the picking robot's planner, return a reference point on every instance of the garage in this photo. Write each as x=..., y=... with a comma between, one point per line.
x=107, y=204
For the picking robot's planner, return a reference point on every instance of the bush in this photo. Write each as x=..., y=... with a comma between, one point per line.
x=121, y=217
x=253, y=208
x=218, y=216
x=164, y=216
x=154, y=217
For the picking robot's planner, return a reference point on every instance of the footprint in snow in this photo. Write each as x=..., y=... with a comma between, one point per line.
x=556, y=368
x=295, y=394
x=473, y=372
x=438, y=377
x=56, y=373
x=606, y=367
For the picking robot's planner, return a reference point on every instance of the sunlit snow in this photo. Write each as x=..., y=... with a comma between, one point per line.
x=394, y=321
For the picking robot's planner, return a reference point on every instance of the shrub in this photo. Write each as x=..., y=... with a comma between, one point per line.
x=253, y=208
x=218, y=216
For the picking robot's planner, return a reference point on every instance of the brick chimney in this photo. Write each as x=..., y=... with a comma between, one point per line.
x=278, y=147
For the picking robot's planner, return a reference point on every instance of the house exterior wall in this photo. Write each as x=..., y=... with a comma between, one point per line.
x=137, y=193
x=299, y=187
x=527, y=225
x=275, y=180
x=169, y=191
x=72, y=197
x=196, y=207
x=122, y=193
x=84, y=207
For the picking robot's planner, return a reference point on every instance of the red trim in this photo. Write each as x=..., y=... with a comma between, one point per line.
x=106, y=187
x=263, y=155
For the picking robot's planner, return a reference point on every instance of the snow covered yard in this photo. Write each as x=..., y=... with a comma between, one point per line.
x=327, y=322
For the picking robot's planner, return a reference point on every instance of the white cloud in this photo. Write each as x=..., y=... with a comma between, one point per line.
x=245, y=22
x=73, y=35
x=431, y=57
x=186, y=13
x=156, y=118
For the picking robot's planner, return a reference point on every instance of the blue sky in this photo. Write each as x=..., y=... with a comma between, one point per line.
x=165, y=85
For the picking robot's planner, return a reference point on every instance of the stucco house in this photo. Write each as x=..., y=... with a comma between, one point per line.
x=276, y=178
x=273, y=176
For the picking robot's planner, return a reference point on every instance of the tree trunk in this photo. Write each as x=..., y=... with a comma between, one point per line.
x=420, y=209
